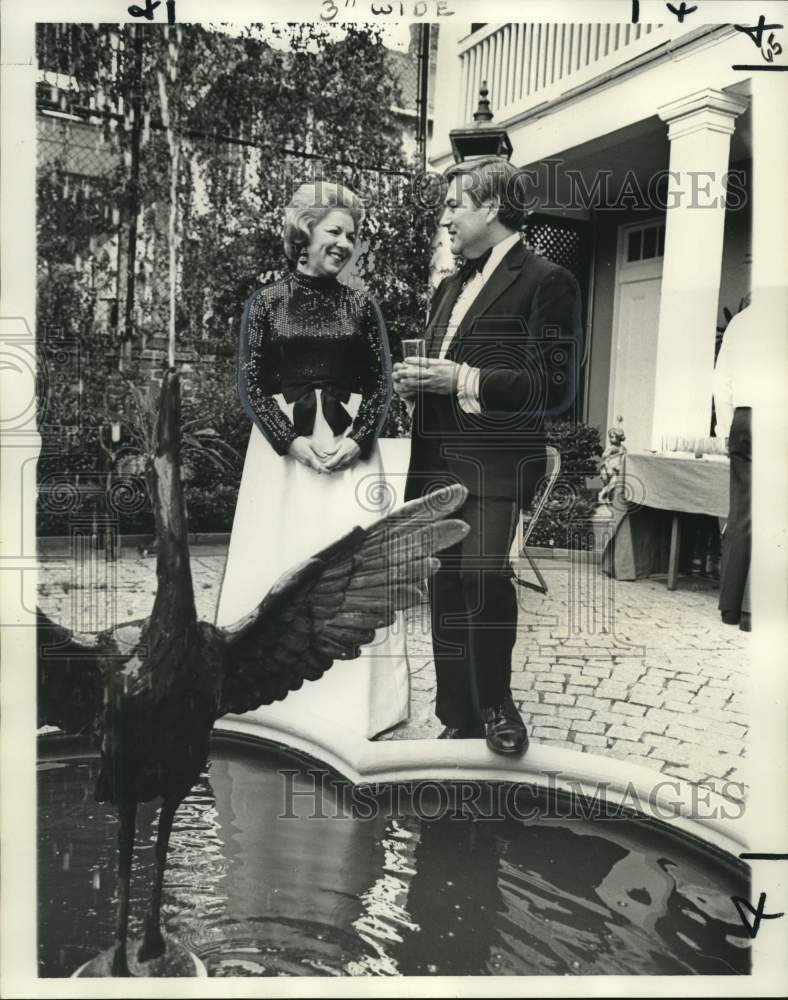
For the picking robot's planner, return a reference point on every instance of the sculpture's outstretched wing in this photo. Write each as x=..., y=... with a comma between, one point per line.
x=330, y=606
x=70, y=679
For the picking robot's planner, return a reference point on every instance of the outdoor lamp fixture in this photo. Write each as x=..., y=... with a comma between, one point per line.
x=481, y=138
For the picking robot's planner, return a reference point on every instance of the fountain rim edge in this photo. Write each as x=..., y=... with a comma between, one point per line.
x=365, y=762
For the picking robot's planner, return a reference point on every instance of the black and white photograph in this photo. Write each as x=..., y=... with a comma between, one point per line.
x=394, y=498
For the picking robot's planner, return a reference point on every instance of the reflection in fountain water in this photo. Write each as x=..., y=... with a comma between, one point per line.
x=385, y=916
x=455, y=898
x=328, y=893
x=195, y=896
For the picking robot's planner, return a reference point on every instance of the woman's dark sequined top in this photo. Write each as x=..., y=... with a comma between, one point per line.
x=304, y=331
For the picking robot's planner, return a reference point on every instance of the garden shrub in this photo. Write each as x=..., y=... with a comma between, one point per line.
x=565, y=521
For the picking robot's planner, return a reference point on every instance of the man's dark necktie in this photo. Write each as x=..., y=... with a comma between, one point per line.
x=474, y=266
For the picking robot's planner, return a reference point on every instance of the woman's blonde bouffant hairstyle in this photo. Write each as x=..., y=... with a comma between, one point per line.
x=310, y=204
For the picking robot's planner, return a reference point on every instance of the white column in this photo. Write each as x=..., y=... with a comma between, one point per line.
x=699, y=128
x=770, y=195
x=768, y=693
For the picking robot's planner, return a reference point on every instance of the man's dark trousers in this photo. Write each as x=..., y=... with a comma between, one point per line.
x=737, y=541
x=474, y=613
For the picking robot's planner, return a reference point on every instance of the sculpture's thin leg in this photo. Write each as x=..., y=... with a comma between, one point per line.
x=153, y=944
x=127, y=812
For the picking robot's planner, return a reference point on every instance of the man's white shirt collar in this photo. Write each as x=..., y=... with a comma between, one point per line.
x=497, y=254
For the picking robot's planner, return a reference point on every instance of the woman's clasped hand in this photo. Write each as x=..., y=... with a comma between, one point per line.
x=323, y=459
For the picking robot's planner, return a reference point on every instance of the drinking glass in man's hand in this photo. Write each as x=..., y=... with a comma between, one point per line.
x=413, y=348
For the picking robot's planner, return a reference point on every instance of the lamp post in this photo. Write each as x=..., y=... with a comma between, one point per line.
x=482, y=138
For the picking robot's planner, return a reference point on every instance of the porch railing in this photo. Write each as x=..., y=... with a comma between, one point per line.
x=528, y=64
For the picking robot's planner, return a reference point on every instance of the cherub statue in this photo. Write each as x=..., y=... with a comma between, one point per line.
x=610, y=466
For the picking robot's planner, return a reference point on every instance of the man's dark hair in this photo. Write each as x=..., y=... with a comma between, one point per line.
x=493, y=177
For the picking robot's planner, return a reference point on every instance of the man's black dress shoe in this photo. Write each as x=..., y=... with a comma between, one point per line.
x=463, y=733
x=504, y=729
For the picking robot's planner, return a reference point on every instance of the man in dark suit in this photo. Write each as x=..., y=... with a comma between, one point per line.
x=503, y=345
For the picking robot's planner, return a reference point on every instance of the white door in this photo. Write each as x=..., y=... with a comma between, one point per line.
x=638, y=287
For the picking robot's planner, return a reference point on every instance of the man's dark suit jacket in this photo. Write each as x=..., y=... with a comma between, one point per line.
x=524, y=332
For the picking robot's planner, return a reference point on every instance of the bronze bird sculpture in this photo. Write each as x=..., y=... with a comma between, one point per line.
x=151, y=690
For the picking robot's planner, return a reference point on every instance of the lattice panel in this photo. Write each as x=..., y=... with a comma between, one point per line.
x=562, y=244
x=566, y=243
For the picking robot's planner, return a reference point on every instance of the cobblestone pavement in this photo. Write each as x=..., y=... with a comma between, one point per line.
x=625, y=669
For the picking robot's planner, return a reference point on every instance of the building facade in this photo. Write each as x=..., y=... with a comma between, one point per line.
x=639, y=139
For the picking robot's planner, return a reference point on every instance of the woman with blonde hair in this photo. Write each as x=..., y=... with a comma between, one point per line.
x=314, y=377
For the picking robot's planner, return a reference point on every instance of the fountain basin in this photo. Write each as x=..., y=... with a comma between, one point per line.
x=281, y=866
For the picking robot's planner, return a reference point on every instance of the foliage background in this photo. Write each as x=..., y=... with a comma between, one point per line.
x=255, y=117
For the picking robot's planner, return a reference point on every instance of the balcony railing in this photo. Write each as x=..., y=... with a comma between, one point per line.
x=528, y=64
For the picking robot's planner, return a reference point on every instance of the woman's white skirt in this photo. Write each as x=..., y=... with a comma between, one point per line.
x=286, y=513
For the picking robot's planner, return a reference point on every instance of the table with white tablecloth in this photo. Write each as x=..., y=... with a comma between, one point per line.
x=660, y=489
